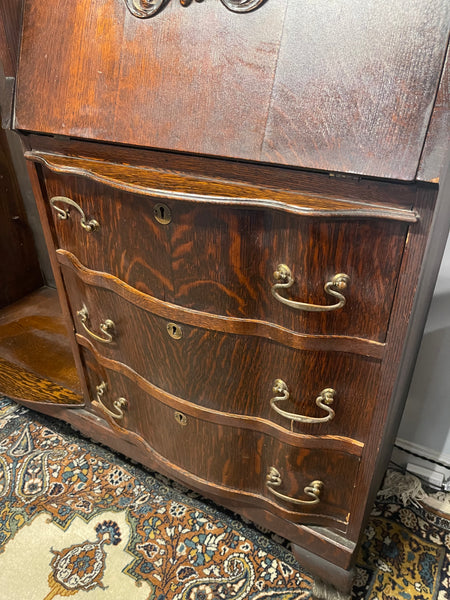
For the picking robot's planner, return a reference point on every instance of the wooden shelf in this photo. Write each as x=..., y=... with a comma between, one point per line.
x=36, y=361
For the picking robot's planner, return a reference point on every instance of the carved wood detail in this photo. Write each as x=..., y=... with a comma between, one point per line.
x=148, y=8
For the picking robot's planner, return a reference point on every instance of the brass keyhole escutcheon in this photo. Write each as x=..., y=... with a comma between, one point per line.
x=162, y=214
x=180, y=418
x=174, y=331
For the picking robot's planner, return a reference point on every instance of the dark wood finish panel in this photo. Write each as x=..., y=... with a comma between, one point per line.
x=342, y=579
x=366, y=114
x=37, y=361
x=205, y=86
x=48, y=236
x=230, y=373
x=368, y=117
x=10, y=28
x=216, y=453
x=407, y=322
x=178, y=262
x=19, y=268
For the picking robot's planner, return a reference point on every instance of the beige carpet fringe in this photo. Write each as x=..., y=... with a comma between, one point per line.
x=408, y=488
x=323, y=591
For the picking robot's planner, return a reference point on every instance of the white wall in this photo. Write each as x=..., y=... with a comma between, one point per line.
x=425, y=427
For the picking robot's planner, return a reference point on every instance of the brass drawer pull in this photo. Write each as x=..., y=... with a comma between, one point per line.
x=313, y=490
x=106, y=327
x=323, y=401
x=89, y=226
x=284, y=279
x=118, y=404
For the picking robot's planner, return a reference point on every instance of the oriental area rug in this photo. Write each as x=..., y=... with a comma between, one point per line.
x=78, y=521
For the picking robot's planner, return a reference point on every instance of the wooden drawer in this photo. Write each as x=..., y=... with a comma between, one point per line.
x=226, y=459
x=222, y=259
x=225, y=371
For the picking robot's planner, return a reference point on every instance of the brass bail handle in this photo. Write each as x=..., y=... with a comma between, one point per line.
x=106, y=327
x=119, y=404
x=313, y=490
x=284, y=280
x=323, y=401
x=63, y=214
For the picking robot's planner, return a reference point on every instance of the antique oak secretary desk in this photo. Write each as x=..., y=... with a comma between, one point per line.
x=243, y=205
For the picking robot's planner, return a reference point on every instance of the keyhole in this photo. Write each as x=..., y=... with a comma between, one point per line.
x=162, y=214
x=174, y=331
x=180, y=418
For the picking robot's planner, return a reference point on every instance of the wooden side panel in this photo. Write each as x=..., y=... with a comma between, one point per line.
x=19, y=267
x=196, y=79
x=355, y=85
x=435, y=152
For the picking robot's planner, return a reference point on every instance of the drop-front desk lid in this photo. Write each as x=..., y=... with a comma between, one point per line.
x=338, y=85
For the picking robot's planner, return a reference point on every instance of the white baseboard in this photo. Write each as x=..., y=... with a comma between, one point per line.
x=424, y=452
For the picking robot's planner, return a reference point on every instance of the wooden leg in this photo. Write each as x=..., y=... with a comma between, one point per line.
x=330, y=582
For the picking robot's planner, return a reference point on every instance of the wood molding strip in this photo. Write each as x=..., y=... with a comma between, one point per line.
x=337, y=443
x=232, y=325
x=170, y=185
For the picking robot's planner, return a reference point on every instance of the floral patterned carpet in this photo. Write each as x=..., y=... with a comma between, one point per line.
x=76, y=520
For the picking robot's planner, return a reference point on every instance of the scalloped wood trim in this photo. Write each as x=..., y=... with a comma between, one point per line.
x=233, y=325
x=219, y=489
x=172, y=185
x=337, y=443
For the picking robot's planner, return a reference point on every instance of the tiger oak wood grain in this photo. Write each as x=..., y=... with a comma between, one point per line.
x=37, y=361
x=178, y=262
x=244, y=422
x=332, y=85
x=208, y=87
x=230, y=373
x=419, y=198
x=20, y=384
x=155, y=423
x=337, y=186
x=253, y=327
x=60, y=292
x=335, y=547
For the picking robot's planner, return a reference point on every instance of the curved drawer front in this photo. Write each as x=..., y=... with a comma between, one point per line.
x=228, y=372
x=227, y=460
x=229, y=261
